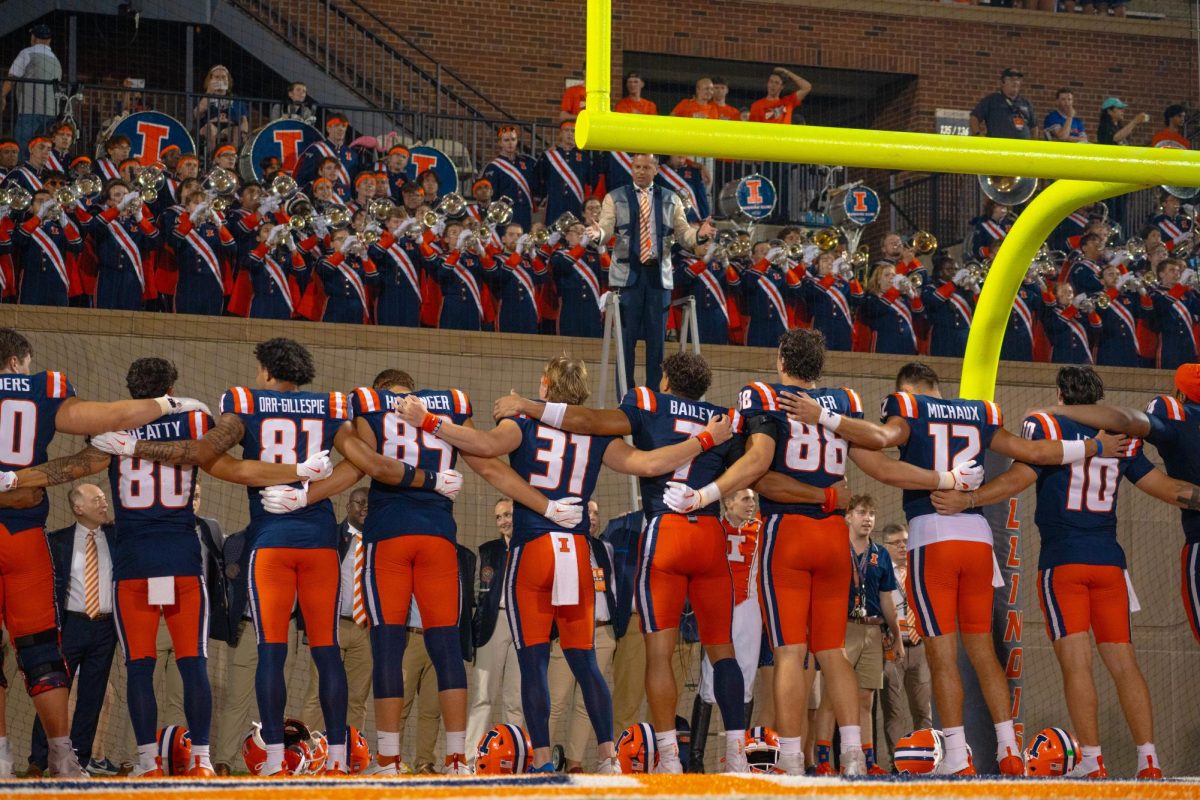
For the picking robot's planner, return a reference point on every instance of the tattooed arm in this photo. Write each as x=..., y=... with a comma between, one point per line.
x=203, y=452
x=1180, y=494
x=87, y=461
x=22, y=498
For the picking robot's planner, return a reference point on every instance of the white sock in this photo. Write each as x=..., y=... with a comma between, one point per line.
x=456, y=742
x=956, y=747
x=1090, y=758
x=1006, y=739
x=337, y=757
x=668, y=743
x=1147, y=751
x=5, y=749
x=389, y=743
x=735, y=741
x=851, y=737
x=147, y=753
x=274, y=762
x=791, y=744
x=201, y=752
x=59, y=744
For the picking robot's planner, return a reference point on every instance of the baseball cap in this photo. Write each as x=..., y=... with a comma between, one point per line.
x=1012, y=72
x=40, y=31
x=1112, y=102
x=1187, y=380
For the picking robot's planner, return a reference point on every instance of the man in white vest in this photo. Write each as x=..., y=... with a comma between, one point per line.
x=36, y=104
x=647, y=220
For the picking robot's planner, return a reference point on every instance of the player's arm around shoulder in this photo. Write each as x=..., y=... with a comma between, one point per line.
x=629, y=460
x=500, y=440
x=863, y=433
x=87, y=461
x=570, y=418
x=90, y=417
x=1106, y=418
x=1010, y=483
x=203, y=452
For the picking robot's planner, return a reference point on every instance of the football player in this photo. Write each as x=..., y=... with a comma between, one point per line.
x=951, y=567
x=41, y=404
x=547, y=563
x=1083, y=583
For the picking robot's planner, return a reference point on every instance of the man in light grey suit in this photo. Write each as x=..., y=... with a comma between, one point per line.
x=647, y=219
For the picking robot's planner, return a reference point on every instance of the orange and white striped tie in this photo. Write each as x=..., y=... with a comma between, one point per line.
x=647, y=243
x=91, y=577
x=360, y=608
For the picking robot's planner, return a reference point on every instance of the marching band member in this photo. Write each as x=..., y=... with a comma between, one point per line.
x=1083, y=271
x=564, y=175
x=950, y=305
x=988, y=231
x=123, y=235
x=1176, y=307
x=1069, y=334
x=706, y=277
x=344, y=275
x=832, y=299
x=1174, y=226
x=581, y=275
x=46, y=247
x=203, y=248
x=116, y=150
x=764, y=285
x=1118, y=340
x=891, y=305
x=690, y=181
x=401, y=271
x=274, y=269
x=516, y=278
x=32, y=173
x=62, y=138
x=336, y=146
x=513, y=175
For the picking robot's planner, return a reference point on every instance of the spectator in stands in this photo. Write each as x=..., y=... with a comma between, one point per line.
x=36, y=103
x=1006, y=113
x=777, y=106
x=220, y=119
x=700, y=104
x=1112, y=128
x=720, y=91
x=131, y=100
x=1115, y=7
x=1171, y=135
x=1061, y=124
x=297, y=105
x=892, y=303
x=632, y=101
x=574, y=99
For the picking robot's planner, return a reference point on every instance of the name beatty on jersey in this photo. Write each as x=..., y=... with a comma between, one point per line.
x=163, y=429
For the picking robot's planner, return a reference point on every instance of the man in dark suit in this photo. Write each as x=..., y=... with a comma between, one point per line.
x=629, y=660
x=645, y=219
x=353, y=637
x=497, y=676
x=83, y=591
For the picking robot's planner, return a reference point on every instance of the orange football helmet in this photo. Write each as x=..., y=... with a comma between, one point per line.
x=637, y=749
x=762, y=750
x=318, y=753
x=358, y=753
x=504, y=750
x=1052, y=752
x=920, y=752
x=175, y=749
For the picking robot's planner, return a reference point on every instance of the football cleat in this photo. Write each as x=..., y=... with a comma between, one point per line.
x=854, y=763
x=156, y=772
x=761, y=751
x=637, y=749
x=920, y=752
x=875, y=769
x=1081, y=770
x=1012, y=764
x=199, y=770
x=383, y=768
x=825, y=769
x=456, y=764
x=1052, y=753
x=174, y=750
x=608, y=766
x=1150, y=772
x=504, y=750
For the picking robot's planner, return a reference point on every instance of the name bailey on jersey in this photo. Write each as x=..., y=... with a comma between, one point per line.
x=679, y=408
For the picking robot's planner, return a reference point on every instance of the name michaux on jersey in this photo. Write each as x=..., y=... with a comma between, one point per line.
x=14, y=383
x=938, y=411
x=681, y=409
x=314, y=406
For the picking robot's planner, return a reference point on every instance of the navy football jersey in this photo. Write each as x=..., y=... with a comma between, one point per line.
x=287, y=428
x=392, y=510
x=1175, y=432
x=658, y=420
x=942, y=435
x=28, y=406
x=811, y=454
x=156, y=528
x=558, y=464
x=1077, y=503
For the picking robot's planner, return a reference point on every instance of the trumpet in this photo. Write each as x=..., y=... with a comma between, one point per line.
x=923, y=242
x=380, y=208
x=67, y=196
x=540, y=238
x=88, y=184
x=429, y=220
x=219, y=181
x=16, y=197
x=827, y=239
x=148, y=182
x=779, y=256
x=369, y=236
x=977, y=271
x=499, y=212
x=220, y=204
x=1097, y=302
x=301, y=215
x=910, y=284
x=282, y=186
x=564, y=222
x=862, y=258
x=1143, y=282
x=795, y=251
x=337, y=216
x=739, y=248
x=452, y=205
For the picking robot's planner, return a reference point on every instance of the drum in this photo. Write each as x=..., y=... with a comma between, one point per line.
x=751, y=198
x=284, y=139
x=149, y=132
x=422, y=157
x=854, y=204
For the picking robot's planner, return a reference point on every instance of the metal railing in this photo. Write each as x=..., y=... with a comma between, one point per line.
x=348, y=42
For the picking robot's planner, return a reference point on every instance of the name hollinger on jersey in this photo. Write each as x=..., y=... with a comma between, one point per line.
x=938, y=411
x=437, y=402
x=292, y=405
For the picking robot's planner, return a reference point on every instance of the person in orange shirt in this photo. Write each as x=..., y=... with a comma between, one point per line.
x=633, y=102
x=700, y=104
x=720, y=90
x=1172, y=133
x=574, y=100
x=777, y=107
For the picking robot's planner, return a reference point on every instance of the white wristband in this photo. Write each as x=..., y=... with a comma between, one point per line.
x=709, y=494
x=946, y=480
x=830, y=419
x=553, y=414
x=1074, y=451
x=164, y=404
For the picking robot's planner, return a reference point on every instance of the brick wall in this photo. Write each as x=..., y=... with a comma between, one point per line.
x=520, y=51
